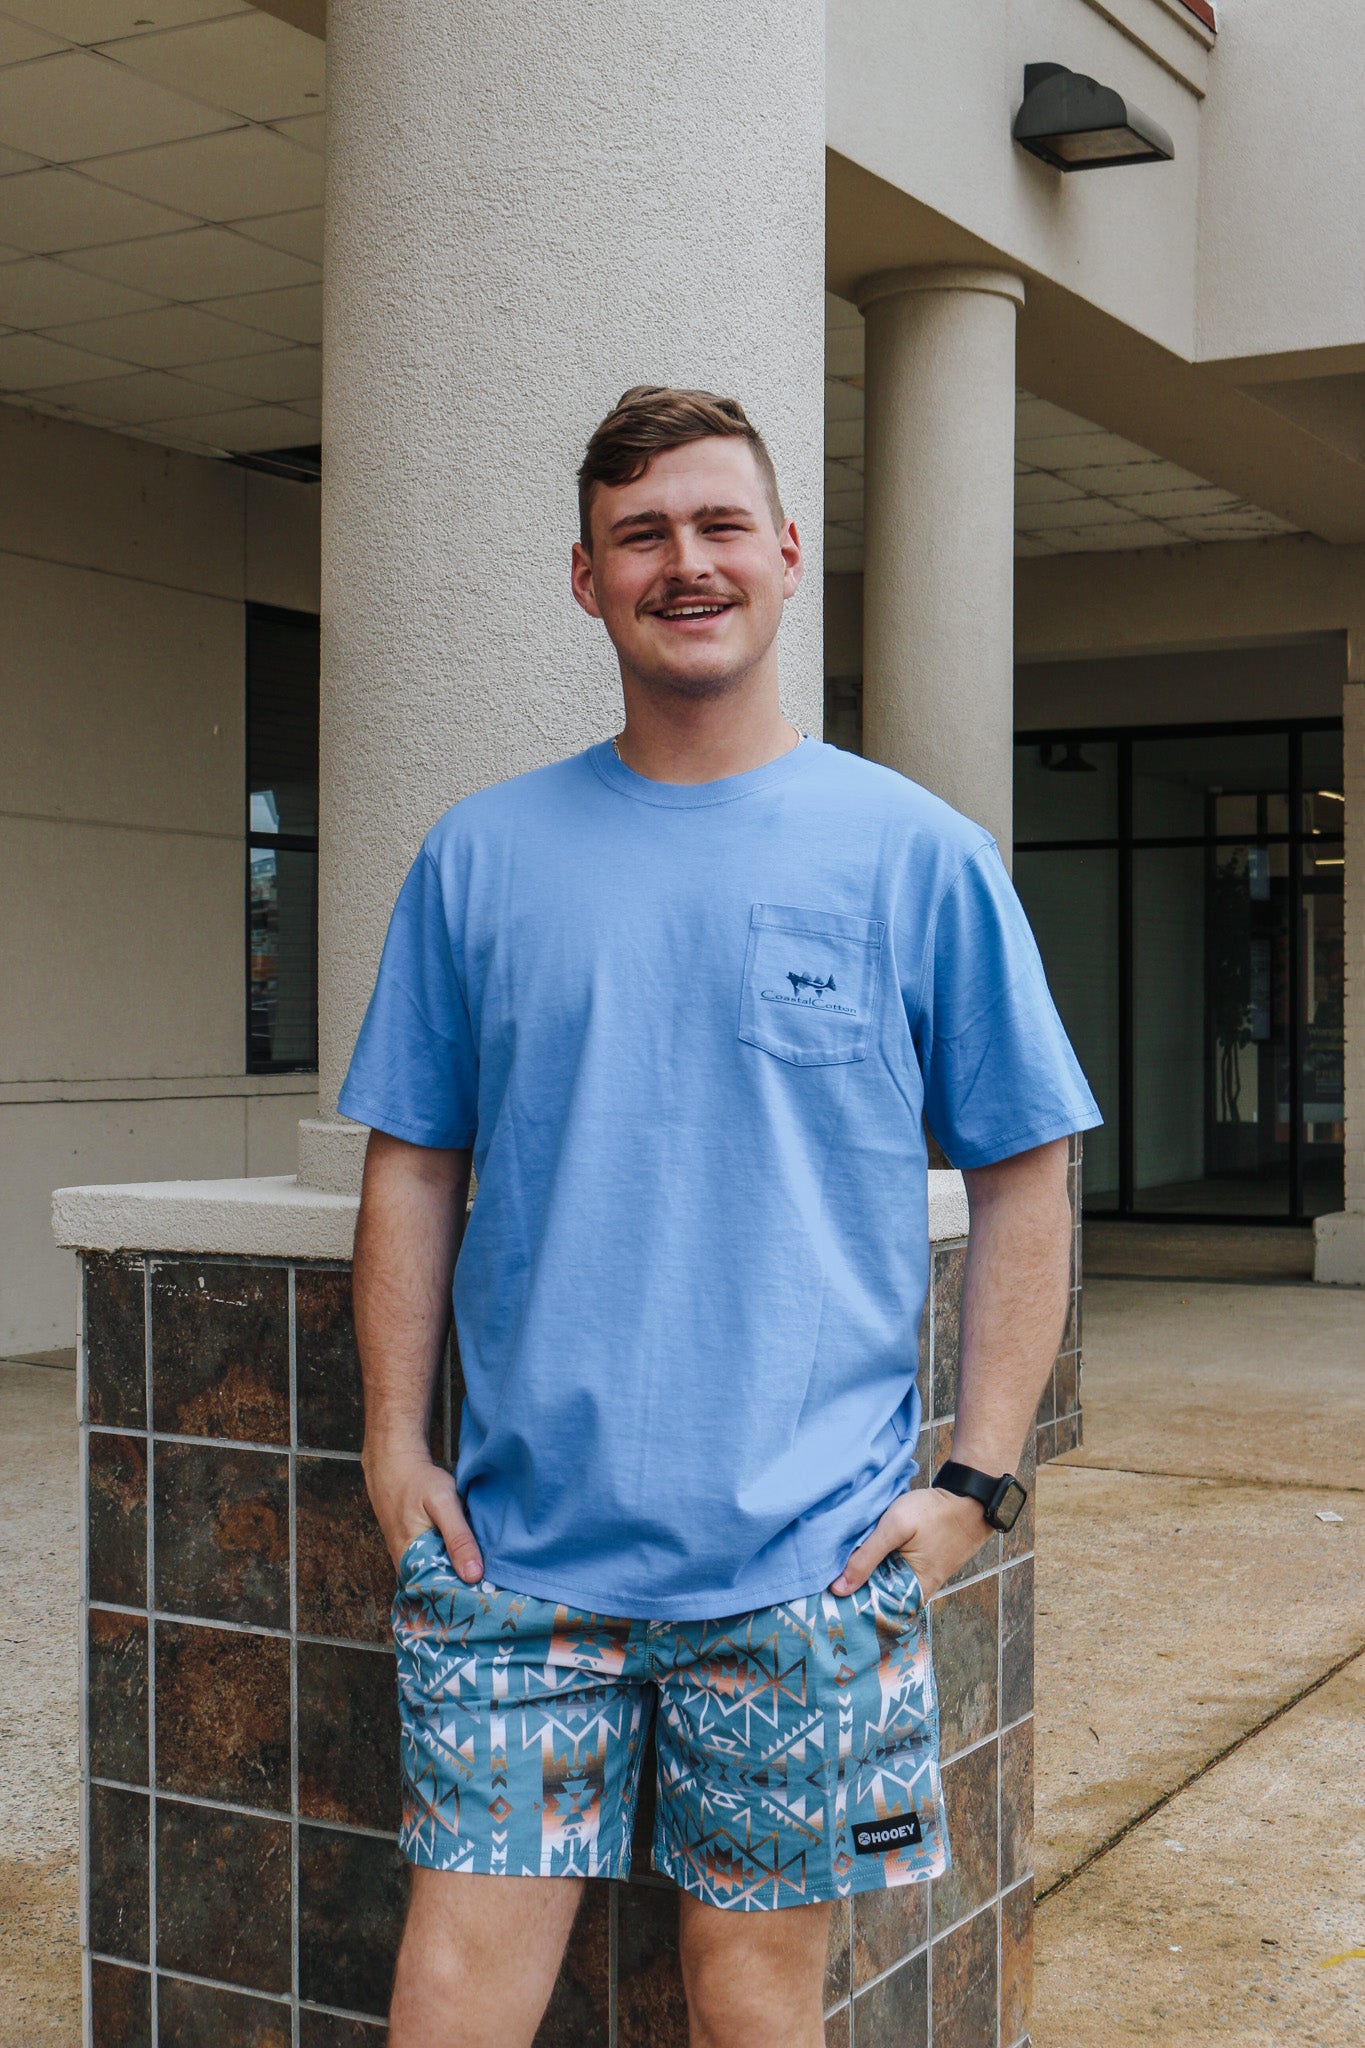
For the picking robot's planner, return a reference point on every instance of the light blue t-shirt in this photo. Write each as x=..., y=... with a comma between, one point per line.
x=689, y=1032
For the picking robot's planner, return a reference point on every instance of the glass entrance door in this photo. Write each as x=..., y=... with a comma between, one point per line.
x=1194, y=948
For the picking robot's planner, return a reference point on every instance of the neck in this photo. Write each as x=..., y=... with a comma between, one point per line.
x=689, y=740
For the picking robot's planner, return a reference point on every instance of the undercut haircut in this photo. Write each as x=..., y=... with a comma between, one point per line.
x=650, y=418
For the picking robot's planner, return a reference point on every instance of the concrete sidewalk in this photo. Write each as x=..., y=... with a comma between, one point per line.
x=1201, y=1675
x=39, y=1712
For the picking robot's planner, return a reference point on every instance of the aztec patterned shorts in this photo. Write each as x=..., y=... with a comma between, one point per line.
x=797, y=1746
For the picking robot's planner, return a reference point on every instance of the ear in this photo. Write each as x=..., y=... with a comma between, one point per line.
x=580, y=578
x=793, y=562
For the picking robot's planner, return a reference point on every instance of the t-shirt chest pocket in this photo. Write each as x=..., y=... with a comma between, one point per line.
x=810, y=984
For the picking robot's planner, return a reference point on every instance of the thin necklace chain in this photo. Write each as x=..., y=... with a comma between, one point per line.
x=615, y=742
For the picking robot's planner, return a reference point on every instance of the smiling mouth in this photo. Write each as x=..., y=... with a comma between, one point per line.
x=694, y=608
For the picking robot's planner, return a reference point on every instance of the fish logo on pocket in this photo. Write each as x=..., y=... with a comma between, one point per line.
x=815, y=1000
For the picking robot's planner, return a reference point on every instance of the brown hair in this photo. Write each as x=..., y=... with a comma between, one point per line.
x=649, y=418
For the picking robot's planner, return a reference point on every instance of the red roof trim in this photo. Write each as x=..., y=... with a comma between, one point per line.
x=1204, y=9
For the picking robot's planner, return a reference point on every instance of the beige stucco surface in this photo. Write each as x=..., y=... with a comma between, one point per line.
x=124, y=570
x=515, y=234
x=924, y=97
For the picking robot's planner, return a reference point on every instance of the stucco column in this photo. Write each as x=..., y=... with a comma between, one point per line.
x=528, y=211
x=938, y=578
x=1339, y=1239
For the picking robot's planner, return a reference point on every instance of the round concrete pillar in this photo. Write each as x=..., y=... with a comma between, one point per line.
x=938, y=579
x=528, y=211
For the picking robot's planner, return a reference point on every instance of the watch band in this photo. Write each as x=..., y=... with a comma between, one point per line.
x=1001, y=1500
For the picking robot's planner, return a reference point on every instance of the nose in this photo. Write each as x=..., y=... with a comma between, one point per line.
x=686, y=561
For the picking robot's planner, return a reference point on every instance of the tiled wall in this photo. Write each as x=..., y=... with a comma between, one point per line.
x=241, y=1775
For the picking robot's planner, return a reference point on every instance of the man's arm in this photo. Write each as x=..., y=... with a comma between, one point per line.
x=1013, y=1309
x=412, y=1207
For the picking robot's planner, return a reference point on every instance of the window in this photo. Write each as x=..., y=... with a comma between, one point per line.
x=282, y=840
x=1184, y=885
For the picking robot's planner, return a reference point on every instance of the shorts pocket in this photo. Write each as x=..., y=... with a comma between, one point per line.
x=902, y=1585
x=810, y=984
x=411, y=1551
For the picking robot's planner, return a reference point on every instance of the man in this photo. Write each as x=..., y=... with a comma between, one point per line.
x=685, y=1000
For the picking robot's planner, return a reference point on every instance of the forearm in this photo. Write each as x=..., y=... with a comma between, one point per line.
x=1013, y=1303
x=407, y=1236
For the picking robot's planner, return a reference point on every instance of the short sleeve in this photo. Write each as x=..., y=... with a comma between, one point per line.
x=415, y=1070
x=999, y=1073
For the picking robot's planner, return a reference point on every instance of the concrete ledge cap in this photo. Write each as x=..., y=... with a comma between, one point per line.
x=940, y=277
x=947, y=1205
x=272, y=1218
x=1339, y=1249
x=281, y=1219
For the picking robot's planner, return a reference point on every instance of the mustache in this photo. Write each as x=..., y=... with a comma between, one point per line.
x=671, y=597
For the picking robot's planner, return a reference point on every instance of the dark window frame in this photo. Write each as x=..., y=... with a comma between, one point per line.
x=1125, y=843
x=278, y=842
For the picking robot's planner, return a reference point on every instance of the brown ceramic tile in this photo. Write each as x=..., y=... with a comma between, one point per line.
x=938, y=1158
x=222, y=1895
x=895, y=2012
x=222, y=1533
x=1016, y=1642
x=837, y=1953
x=1016, y=1964
x=1018, y=1541
x=329, y=2030
x=1046, y=1444
x=331, y=1411
x=222, y=1714
x=345, y=1578
x=348, y=1736
x=1071, y=1331
x=969, y=1793
x=115, y=1342
x=966, y=1650
x=838, y=2028
x=120, y=2007
x=924, y=1457
x=1016, y=1803
x=641, y=1841
x=1068, y=1435
x=950, y=1264
x=1064, y=1373
x=220, y=1350
x=117, y=1522
x=965, y=1984
x=986, y=1559
x=651, y=2009
x=1047, y=1401
x=116, y=1699
x=353, y=1893
x=887, y=1926
x=198, y=2016
x=579, y=2012
x=117, y=1873
x=924, y=1370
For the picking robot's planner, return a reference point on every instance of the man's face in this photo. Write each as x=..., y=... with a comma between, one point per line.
x=688, y=572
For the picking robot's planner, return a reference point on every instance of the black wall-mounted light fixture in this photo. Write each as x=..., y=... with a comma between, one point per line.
x=1075, y=124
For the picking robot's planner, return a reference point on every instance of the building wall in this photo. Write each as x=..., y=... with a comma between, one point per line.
x=123, y=573
x=1296, y=680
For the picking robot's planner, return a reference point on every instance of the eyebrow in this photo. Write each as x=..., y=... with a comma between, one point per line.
x=661, y=518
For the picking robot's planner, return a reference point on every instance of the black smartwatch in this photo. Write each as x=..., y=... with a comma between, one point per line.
x=1001, y=1500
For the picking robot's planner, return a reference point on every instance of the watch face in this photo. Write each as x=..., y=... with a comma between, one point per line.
x=1008, y=1505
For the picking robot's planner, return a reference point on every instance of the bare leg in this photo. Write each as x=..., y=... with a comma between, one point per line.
x=754, y=1979
x=479, y=1958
